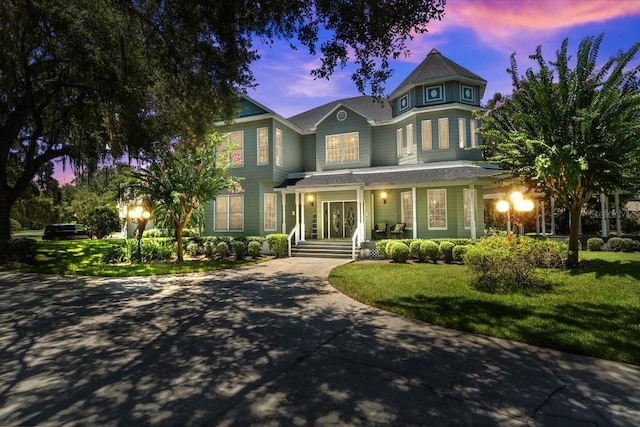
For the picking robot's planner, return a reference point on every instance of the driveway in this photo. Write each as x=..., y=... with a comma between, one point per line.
x=273, y=344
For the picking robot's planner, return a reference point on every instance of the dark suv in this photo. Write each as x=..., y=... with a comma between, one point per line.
x=65, y=231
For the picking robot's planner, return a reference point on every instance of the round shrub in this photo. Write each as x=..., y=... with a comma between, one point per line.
x=240, y=249
x=595, y=244
x=387, y=249
x=430, y=250
x=446, y=249
x=279, y=244
x=627, y=245
x=458, y=252
x=255, y=248
x=399, y=252
x=636, y=245
x=615, y=244
x=222, y=249
x=193, y=249
x=414, y=249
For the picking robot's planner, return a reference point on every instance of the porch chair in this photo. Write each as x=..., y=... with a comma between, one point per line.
x=397, y=231
x=380, y=230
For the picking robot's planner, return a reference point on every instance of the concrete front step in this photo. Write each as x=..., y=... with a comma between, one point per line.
x=323, y=248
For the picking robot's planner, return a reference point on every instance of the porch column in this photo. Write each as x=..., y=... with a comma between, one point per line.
x=284, y=213
x=603, y=210
x=537, y=216
x=618, y=223
x=361, y=213
x=303, y=231
x=297, y=197
x=553, y=215
x=472, y=201
x=544, y=221
x=414, y=219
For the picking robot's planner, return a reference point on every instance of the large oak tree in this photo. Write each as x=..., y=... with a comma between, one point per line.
x=570, y=129
x=87, y=79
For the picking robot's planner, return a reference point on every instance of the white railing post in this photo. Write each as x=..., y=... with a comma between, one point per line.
x=355, y=238
x=291, y=234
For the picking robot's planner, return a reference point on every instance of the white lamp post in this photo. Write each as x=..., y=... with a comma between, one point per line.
x=519, y=203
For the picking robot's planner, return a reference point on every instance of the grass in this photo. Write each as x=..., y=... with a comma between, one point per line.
x=593, y=310
x=83, y=257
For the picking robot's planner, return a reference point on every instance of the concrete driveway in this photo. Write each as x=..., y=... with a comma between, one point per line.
x=273, y=344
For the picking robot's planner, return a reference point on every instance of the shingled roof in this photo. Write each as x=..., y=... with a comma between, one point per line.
x=367, y=106
x=426, y=173
x=433, y=69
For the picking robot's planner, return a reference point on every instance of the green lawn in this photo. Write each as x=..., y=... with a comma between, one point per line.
x=594, y=310
x=83, y=257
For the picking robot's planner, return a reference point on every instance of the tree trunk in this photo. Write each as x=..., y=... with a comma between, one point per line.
x=574, y=236
x=179, y=242
x=5, y=214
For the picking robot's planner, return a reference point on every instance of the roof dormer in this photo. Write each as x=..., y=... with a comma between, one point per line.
x=437, y=80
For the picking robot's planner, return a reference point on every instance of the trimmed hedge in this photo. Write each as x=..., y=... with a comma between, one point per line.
x=399, y=252
x=595, y=244
x=279, y=244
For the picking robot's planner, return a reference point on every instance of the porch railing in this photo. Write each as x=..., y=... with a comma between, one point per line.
x=356, y=240
x=290, y=238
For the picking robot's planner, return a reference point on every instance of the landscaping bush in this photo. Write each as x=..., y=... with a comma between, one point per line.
x=509, y=264
x=595, y=244
x=458, y=252
x=279, y=244
x=446, y=250
x=636, y=245
x=414, y=249
x=18, y=250
x=209, y=247
x=240, y=249
x=255, y=248
x=116, y=254
x=222, y=249
x=381, y=246
x=154, y=233
x=399, y=252
x=156, y=249
x=14, y=225
x=628, y=245
x=430, y=250
x=102, y=221
x=194, y=249
x=615, y=244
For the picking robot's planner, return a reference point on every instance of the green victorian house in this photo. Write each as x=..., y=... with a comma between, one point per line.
x=361, y=169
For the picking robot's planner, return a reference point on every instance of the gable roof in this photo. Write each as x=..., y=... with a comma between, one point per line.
x=436, y=68
x=366, y=106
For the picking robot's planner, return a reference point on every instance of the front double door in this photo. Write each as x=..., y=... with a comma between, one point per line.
x=340, y=219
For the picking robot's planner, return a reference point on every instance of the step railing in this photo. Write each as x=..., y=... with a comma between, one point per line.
x=290, y=238
x=355, y=240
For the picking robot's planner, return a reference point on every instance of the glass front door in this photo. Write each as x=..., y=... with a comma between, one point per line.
x=340, y=219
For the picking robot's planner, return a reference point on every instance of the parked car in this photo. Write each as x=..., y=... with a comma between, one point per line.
x=65, y=231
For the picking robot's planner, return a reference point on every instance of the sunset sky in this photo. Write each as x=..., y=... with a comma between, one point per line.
x=478, y=34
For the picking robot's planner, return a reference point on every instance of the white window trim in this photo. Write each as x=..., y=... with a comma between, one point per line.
x=266, y=131
x=274, y=213
x=241, y=148
x=278, y=152
x=446, y=222
x=462, y=132
x=427, y=135
x=399, y=142
x=410, y=148
x=227, y=229
x=464, y=206
x=443, y=131
x=462, y=97
x=400, y=107
x=341, y=137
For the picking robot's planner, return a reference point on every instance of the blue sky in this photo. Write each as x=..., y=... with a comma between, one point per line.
x=478, y=34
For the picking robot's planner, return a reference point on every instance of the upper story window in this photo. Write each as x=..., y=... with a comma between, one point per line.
x=434, y=93
x=263, y=146
x=474, y=133
x=278, y=150
x=410, y=148
x=427, y=136
x=404, y=103
x=462, y=132
x=467, y=93
x=400, y=142
x=342, y=148
x=443, y=133
x=235, y=141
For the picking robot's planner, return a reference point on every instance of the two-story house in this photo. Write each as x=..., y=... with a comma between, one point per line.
x=358, y=164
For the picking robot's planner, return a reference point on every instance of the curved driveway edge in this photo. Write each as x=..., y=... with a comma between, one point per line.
x=273, y=344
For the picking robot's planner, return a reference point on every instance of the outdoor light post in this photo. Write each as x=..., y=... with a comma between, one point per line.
x=519, y=203
x=140, y=216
